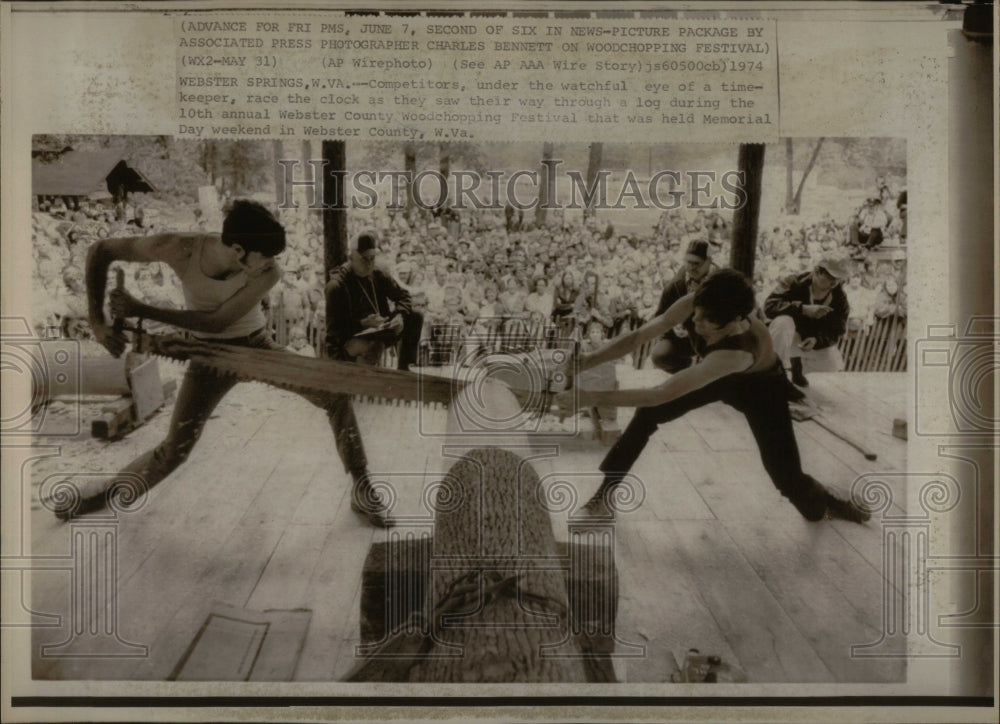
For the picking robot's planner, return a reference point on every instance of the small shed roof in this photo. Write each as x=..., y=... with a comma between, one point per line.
x=79, y=173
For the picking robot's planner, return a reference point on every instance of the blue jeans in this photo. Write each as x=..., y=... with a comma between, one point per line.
x=762, y=400
x=201, y=391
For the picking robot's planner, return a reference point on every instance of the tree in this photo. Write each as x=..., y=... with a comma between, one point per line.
x=593, y=169
x=543, y=188
x=793, y=202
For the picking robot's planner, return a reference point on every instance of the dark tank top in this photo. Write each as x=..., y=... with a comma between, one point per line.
x=756, y=341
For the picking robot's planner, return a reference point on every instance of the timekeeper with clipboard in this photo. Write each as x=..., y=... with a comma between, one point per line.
x=370, y=310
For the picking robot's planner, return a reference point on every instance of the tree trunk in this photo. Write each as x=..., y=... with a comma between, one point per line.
x=789, y=169
x=279, y=172
x=334, y=213
x=543, y=191
x=410, y=166
x=444, y=166
x=593, y=168
x=797, y=201
x=751, y=164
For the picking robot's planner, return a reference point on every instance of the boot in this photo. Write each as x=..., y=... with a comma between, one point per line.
x=597, y=506
x=368, y=504
x=797, y=376
x=793, y=393
x=845, y=510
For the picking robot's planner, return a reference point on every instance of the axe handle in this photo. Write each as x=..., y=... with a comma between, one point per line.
x=869, y=455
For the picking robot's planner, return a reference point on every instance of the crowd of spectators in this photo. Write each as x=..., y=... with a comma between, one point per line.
x=490, y=270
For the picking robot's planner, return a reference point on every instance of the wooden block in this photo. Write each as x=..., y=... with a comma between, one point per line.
x=610, y=431
x=147, y=389
x=899, y=428
x=116, y=420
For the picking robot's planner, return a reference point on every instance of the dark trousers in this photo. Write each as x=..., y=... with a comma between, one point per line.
x=761, y=399
x=409, y=339
x=201, y=391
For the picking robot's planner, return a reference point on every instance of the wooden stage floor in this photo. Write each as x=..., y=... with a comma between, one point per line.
x=258, y=518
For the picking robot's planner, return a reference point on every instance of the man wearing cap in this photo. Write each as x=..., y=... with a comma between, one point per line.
x=359, y=294
x=673, y=352
x=808, y=313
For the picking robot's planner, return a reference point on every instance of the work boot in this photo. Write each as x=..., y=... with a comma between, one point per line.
x=793, y=393
x=797, y=376
x=845, y=509
x=368, y=504
x=597, y=506
x=75, y=508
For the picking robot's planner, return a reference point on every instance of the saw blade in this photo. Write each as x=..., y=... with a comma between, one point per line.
x=295, y=372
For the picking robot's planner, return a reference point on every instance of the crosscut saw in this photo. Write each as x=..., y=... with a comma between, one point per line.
x=310, y=375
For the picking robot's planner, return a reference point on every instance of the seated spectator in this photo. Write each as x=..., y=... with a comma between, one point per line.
x=592, y=304
x=891, y=300
x=808, y=314
x=540, y=300
x=564, y=302
x=872, y=223
x=363, y=297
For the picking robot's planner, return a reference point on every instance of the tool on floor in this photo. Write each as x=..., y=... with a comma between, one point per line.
x=807, y=410
x=708, y=669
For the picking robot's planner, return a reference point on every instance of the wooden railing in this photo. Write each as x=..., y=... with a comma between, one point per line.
x=877, y=347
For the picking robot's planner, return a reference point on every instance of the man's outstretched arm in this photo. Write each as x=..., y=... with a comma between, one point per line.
x=715, y=366
x=625, y=343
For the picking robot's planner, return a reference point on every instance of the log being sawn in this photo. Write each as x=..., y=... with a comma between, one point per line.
x=496, y=607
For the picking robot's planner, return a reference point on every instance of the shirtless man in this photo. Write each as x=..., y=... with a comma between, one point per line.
x=736, y=364
x=224, y=278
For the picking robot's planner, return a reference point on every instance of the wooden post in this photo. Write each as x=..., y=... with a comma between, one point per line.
x=334, y=212
x=545, y=185
x=745, y=218
x=410, y=167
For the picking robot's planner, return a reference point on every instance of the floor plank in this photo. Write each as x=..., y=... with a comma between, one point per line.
x=230, y=579
x=660, y=606
x=840, y=607
x=330, y=594
x=769, y=645
x=670, y=493
x=715, y=559
x=734, y=485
